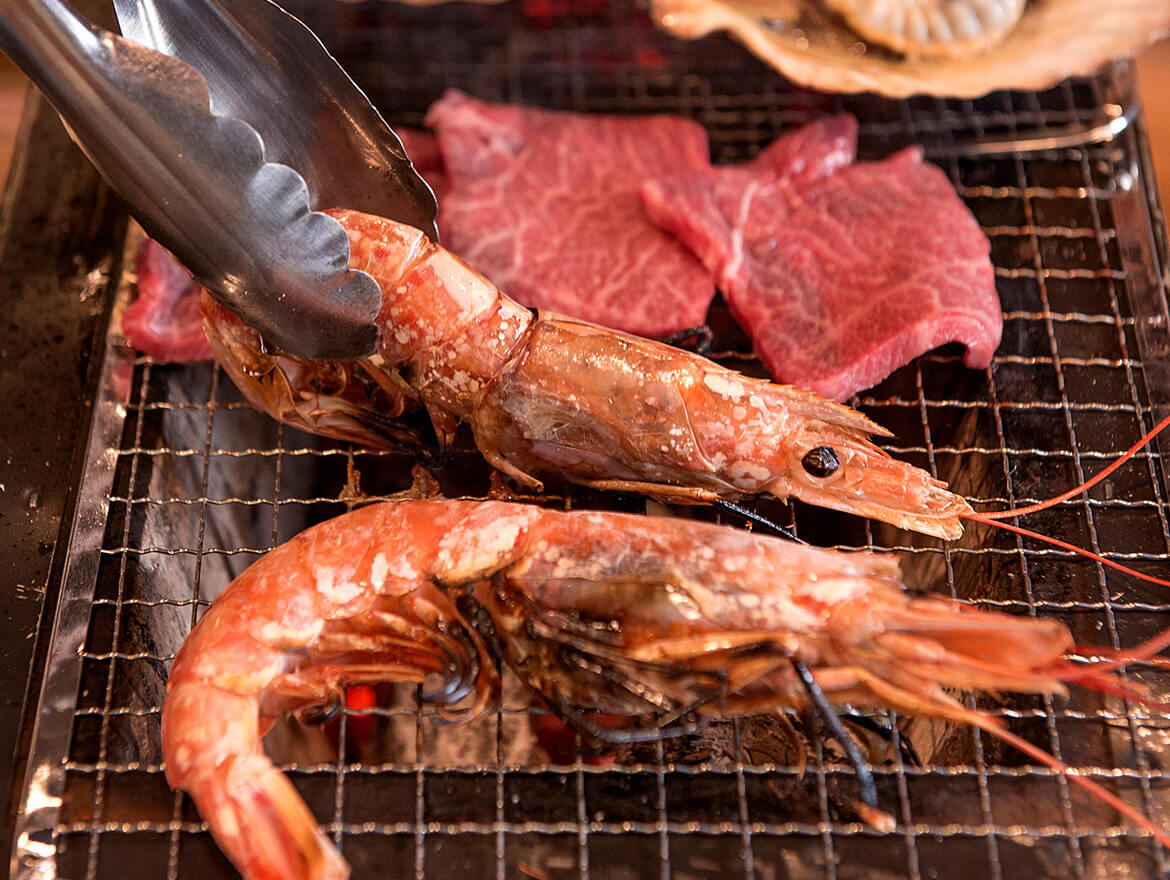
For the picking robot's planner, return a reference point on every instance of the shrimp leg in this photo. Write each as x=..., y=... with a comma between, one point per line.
x=824, y=710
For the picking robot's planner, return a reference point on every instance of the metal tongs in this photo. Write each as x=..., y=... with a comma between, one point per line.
x=225, y=139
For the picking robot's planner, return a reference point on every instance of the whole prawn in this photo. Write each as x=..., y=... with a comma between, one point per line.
x=546, y=394
x=656, y=619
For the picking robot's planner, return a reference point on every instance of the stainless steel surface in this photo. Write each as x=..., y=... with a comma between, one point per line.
x=202, y=484
x=265, y=67
x=33, y=854
x=1114, y=120
x=204, y=182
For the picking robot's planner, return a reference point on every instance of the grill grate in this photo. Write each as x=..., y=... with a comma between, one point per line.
x=187, y=485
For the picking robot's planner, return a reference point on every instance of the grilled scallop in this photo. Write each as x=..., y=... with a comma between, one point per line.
x=817, y=44
x=936, y=28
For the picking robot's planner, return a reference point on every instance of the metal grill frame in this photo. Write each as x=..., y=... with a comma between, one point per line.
x=96, y=804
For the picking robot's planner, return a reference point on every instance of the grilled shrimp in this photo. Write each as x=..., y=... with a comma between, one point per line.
x=653, y=618
x=545, y=394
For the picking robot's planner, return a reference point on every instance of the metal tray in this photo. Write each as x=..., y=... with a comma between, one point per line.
x=185, y=485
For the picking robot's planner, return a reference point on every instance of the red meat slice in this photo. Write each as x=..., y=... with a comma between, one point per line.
x=839, y=276
x=164, y=321
x=699, y=208
x=545, y=204
x=423, y=149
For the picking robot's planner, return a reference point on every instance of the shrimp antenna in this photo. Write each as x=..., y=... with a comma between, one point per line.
x=1064, y=545
x=1038, y=754
x=758, y=519
x=828, y=714
x=1087, y=484
x=992, y=518
x=1108, y=660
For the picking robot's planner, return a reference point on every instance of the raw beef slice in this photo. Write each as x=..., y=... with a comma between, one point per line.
x=839, y=277
x=422, y=148
x=545, y=204
x=164, y=321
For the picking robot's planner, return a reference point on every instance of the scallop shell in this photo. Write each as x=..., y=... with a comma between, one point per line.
x=930, y=27
x=1052, y=40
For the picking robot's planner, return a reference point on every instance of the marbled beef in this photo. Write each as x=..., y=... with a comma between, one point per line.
x=545, y=204
x=423, y=149
x=164, y=321
x=840, y=273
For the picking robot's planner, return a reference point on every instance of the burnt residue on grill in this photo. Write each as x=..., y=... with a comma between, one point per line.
x=187, y=485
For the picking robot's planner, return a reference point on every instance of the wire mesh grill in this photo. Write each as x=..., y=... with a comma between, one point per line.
x=193, y=484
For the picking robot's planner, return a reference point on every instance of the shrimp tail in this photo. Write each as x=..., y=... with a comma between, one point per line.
x=253, y=811
x=262, y=823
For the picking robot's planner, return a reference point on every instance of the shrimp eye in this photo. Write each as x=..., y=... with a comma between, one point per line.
x=821, y=461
